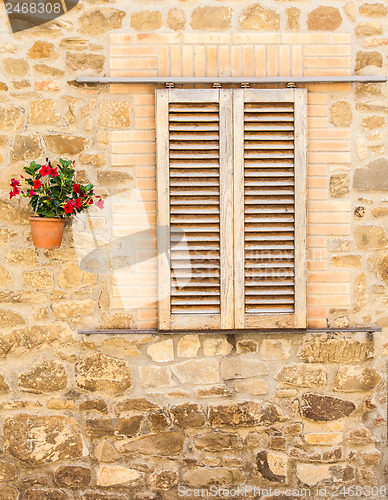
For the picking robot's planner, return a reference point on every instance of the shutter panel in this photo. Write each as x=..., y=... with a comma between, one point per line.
x=270, y=226
x=194, y=168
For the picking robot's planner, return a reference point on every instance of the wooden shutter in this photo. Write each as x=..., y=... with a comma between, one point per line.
x=231, y=182
x=195, y=215
x=269, y=208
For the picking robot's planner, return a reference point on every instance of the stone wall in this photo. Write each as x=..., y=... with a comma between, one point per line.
x=117, y=417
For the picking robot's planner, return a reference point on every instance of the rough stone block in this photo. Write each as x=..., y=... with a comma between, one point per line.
x=246, y=346
x=335, y=348
x=216, y=347
x=259, y=18
x=105, y=452
x=341, y=114
x=198, y=477
x=163, y=444
x=271, y=350
x=16, y=67
x=371, y=28
x=74, y=308
x=197, y=371
x=188, y=346
x=111, y=475
x=100, y=21
x=254, y=386
x=242, y=367
x=73, y=476
x=370, y=238
x=114, y=114
x=83, y=61
x=218, y=441
x=247, y=413
x=312, y=474
x=302, y=375
x=356, y=378
x=43, y=377
x=324, y=18
x=188, y=415
x=146, y=20
x=152, y=377
x=321, y=408
x=25, y=147
x=8, y=472
x=161, y=352
x=104, y=374
x=211, y=18
x=272, y=466
x=41, y=280
x=339, y=185
x=4, y=387
x=62, y=144
x=42, y=439
x=164, y=480
x=12, y=118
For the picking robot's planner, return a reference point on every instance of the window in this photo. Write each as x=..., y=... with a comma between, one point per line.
x=231, y=188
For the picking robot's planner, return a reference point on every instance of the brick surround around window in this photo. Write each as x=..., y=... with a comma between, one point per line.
x=225, y=54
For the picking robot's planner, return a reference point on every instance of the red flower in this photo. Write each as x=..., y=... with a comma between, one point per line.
x=77, y=189
x=15, y=191
x=54, y=172
x=32, y=192
x=68, y=208
x=78, y=203
x=37, y=184
x=15, y=183
x=45, y=170
x=100, y=203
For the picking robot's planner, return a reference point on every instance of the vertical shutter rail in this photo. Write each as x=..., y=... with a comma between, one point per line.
x=238, y=208
x=300, y=207
x=163, y=223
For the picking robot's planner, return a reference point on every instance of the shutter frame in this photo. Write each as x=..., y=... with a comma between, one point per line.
x=192, y=320
x=297, y=318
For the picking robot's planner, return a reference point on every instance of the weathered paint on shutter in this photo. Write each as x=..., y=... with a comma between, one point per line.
x=269, y=208
x=194, y=169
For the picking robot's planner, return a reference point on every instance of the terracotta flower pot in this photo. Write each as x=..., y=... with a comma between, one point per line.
x=47, y=232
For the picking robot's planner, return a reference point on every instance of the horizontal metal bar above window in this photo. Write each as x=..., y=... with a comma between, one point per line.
x=154, y=331
x=178, y=80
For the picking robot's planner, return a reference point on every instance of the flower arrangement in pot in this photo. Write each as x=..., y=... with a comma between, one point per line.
x=54, y=197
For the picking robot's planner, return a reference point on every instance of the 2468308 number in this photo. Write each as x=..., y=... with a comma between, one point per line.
x=33, y=8
x=359, y=491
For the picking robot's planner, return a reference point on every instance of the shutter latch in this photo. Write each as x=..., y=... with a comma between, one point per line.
x=170, y=85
